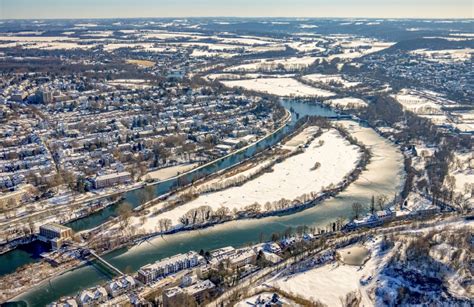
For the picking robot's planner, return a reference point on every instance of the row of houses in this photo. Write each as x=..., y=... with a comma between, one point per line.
x=152, y=272
x=99, y=295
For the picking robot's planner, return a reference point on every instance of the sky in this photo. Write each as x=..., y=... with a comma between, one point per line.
x=38, y=9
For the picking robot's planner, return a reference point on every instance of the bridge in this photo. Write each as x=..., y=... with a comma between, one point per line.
x=105, y=263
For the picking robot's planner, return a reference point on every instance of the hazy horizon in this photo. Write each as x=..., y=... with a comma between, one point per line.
x=89, y=9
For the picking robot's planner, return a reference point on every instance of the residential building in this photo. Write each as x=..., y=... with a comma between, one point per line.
x=152, y=272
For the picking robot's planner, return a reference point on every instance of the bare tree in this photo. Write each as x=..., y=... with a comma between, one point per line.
x=372, y=204
x=356, y=210
x=125, y=212
x=451, y=185
x=381, y=201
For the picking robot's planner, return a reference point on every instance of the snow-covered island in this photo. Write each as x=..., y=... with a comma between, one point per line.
x=315, y=163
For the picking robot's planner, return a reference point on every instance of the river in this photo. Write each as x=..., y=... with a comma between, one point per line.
x=384, y=175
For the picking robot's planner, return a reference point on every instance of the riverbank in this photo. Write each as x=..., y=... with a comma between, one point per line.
x=296, y=202
x=383, y=175
x=293, y=207
x=284, y=124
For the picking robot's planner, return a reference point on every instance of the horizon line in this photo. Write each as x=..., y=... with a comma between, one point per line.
x=241, y=17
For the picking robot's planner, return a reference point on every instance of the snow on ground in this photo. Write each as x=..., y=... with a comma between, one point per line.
x=280, y=87
x=209, y=46
x=98, y=33
x=164, y=35
x=290, y=179
x=293, y=63
x=261, y=49
x=437, y=119
x=232, y=76
x=264, y=299
x=141, y=63
x=149, y=47
x=446, y=55
x=211, y=54
x=244, y=40
x=301, y=138
x=59, y=46
x=415, y=202
x=327, y=79
x=351, y=51
x=305, y=46
x=347, y=103
x=417, y=104
x=169, y=172
x=130, y=83
x=333, y=281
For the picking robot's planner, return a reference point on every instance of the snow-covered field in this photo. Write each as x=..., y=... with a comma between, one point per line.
x=327, y=79
x=347, y=103
x=330, y=283
x=289, y=179
x=305, y=46
x=446, y=55
x=130, y=83
x=293, y=63
x=417, y=104
x=198, y=53
x=169, y=172
x=264, y=298
x=463, y=172
x=59, y=46
x=280, y=87
x=357, y=47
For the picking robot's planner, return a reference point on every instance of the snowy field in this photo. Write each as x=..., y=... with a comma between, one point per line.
x=294, y=63
x=306, y=46
x=347, y=103
x=130, y=83
x=463, y=172
x=446, y=55
x=352, y=47
x=280, y=87
x=199, y=53
x=331, y=282
x=327, y=79
x=264, y=298
x=169, y=172
x=417, y=104
x=289, y=179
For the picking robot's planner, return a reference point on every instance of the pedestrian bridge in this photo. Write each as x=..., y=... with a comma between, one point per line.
x=105, y=263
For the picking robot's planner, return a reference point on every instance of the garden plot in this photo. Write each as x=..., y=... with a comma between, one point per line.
x=285, y=87
x=289, y=179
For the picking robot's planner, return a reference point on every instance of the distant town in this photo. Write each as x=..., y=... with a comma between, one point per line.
x=236, y=162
